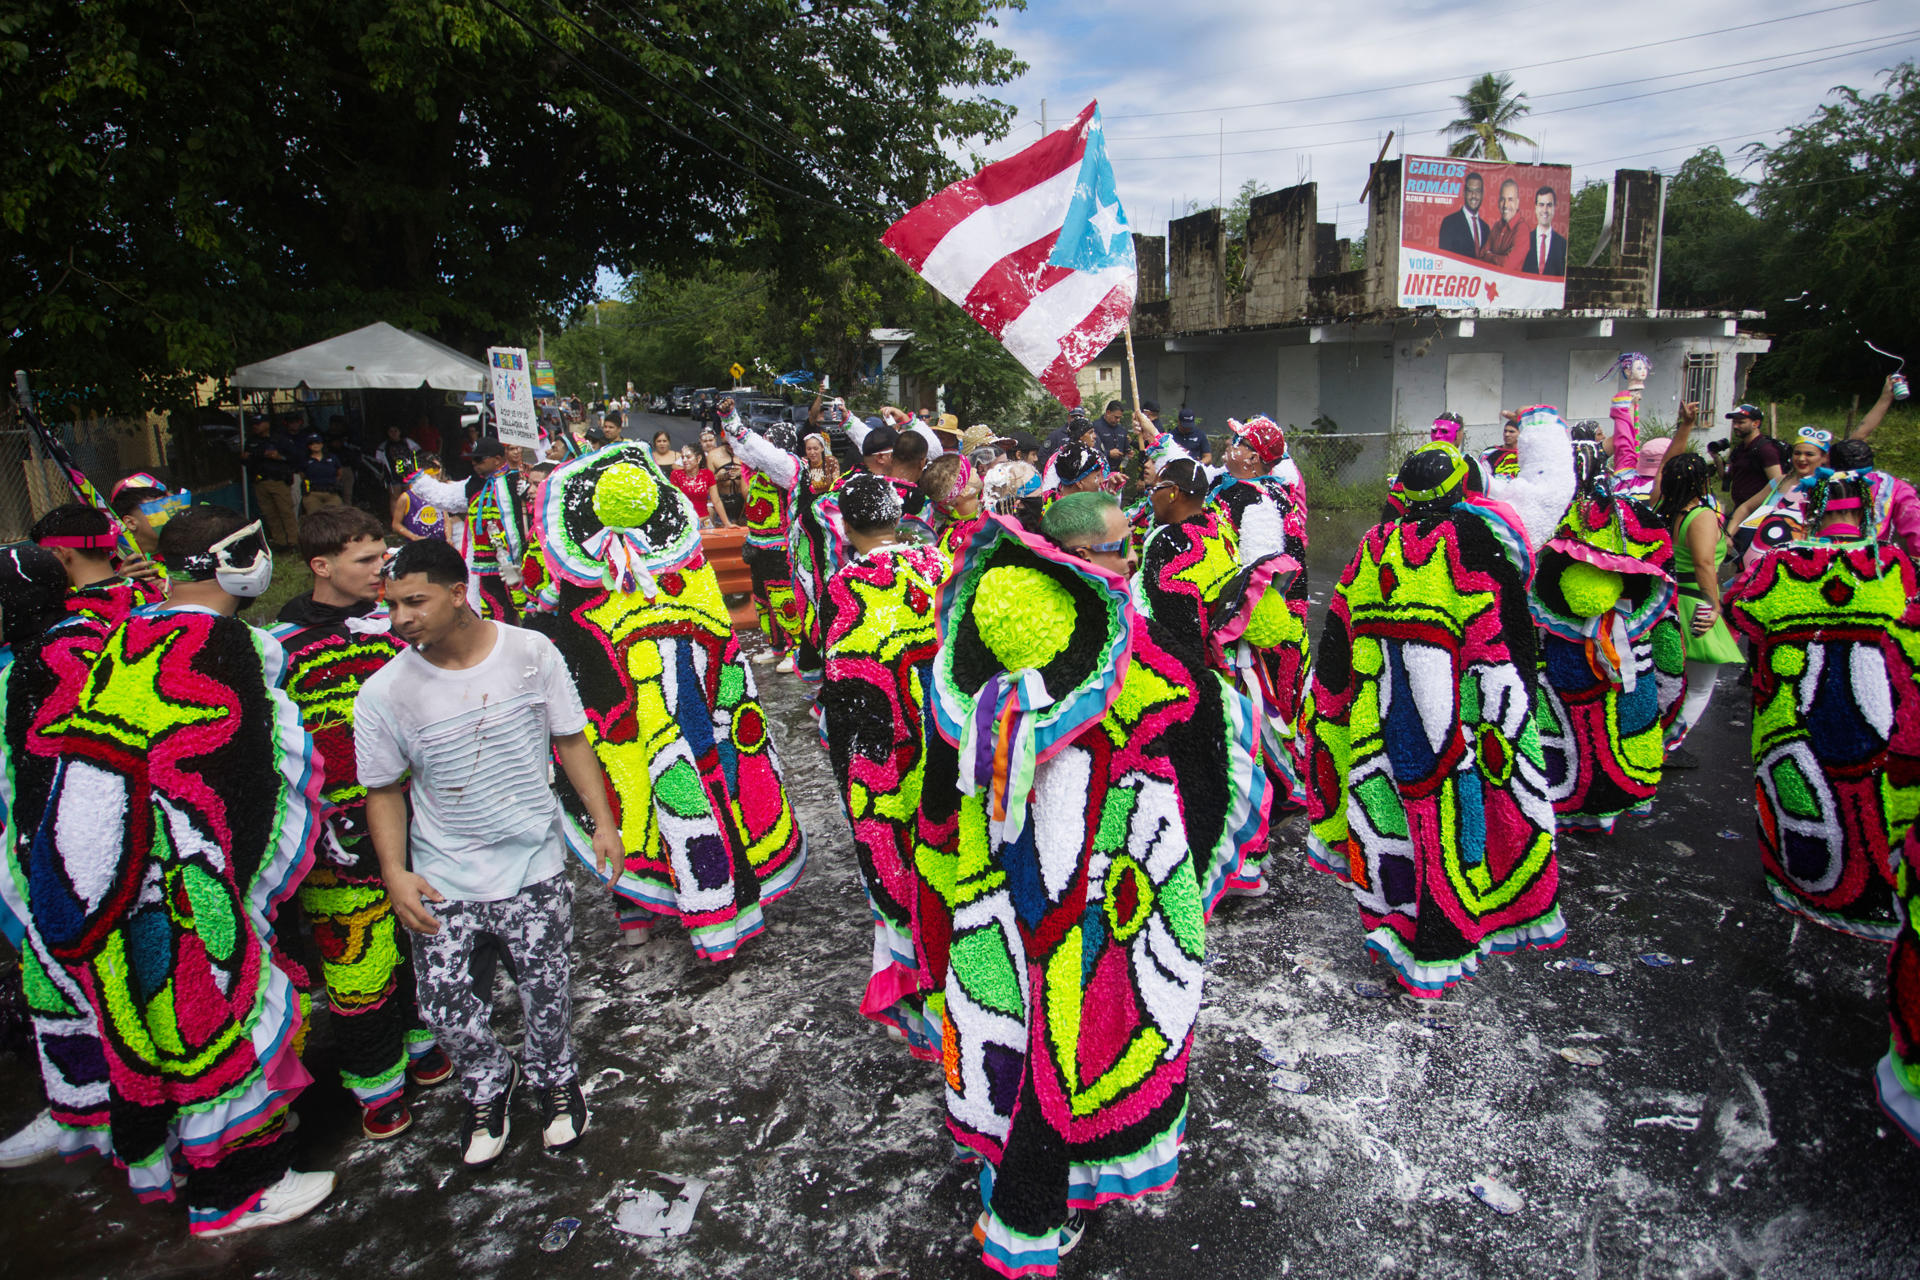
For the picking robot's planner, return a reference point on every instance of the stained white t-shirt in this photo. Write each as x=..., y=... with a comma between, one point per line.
x=486, y=822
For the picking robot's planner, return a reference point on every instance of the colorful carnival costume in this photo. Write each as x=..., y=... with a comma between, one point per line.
x=495, y=545
x=1067, y=929
x=1897, y=1078
x=816, y=542
x=768, y=517
x=1612, y=661
x=364, y=960
x=1269, y=515
x=1186, y=569
x=879, y=659
x=1427, y=790
x=184, y=812
x=1835, y=629
x=696, y=784
x=47, y=656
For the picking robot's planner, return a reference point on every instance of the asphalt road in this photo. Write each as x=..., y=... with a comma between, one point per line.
x=1729, y=1128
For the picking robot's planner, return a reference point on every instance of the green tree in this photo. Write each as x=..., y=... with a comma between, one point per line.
x=1489, y=110
x=982, y=382
x=1585, y=221
x=1236, y=219
x=194, y=186
x=1712, y=238
x=1840, y=196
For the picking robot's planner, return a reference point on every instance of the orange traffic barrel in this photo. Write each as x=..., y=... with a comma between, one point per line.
x=725, y=551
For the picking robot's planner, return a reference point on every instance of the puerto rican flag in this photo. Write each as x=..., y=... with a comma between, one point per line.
x=1036, y=248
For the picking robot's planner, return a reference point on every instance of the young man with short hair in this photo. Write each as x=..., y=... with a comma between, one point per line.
x=127, y=499
x=468, y=713
x=496, y=538
x=86, y=542
x=336, y=636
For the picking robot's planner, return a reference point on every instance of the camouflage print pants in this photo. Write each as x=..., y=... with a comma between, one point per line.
x=537, y=926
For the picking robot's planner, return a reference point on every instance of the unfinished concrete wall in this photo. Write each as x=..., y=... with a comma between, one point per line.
x=1282, y=249
x=1329, y=250
x=1197, y=272
x=1150, y=253
x=1622, y=278
x=1383, y=239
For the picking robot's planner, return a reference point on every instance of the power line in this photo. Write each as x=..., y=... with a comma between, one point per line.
x=1556, y=93
x=1526, y=66
x=1582, y=106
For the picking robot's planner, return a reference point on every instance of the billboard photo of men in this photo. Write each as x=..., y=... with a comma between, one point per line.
x=1547, y=249
x=1483, y=235
x=1463, y=231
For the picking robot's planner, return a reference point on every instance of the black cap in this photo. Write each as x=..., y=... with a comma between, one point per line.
x=879, y=440
x=1744, y=411
x=489, y=448
x=1149, y=406
x=1186, y=417
x=1186, y=475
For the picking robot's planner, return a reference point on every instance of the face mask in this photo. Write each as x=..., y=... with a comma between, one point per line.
x=243, y=563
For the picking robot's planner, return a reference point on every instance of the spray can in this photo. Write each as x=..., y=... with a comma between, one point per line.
x=1900, y=388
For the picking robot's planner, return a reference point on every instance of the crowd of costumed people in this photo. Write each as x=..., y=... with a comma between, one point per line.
x=1063, y=731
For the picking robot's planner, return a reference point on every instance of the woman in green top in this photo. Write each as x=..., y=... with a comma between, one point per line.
x=1699, y=543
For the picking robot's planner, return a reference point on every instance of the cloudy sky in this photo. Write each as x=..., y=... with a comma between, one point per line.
x=1309, y=88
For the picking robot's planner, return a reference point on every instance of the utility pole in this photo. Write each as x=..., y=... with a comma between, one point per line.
x=1043, y=117
x=1220, y=197
x=543, y=342
x=603, y=349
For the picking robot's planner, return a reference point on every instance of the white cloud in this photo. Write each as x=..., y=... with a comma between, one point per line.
x=1148, y=56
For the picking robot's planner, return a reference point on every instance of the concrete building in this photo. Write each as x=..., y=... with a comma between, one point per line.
x=1323, y=348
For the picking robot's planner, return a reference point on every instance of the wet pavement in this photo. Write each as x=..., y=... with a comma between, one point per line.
x=1712, y=1117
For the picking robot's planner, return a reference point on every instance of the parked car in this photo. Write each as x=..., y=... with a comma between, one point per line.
x=680, y=400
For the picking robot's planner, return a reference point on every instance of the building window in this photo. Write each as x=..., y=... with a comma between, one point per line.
x=1106, y=373
x=1697, y=383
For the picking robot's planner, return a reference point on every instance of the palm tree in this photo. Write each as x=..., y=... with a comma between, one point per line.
x=1490, y=107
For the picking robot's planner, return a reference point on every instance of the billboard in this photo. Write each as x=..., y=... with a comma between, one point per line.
x=513, y=408
x=1475, y=234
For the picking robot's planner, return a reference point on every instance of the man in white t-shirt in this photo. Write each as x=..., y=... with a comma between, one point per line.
x=468, y=713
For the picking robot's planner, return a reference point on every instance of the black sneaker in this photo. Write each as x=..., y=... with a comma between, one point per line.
x=484, y=1134
x=563, y=1115
x=1681, y=758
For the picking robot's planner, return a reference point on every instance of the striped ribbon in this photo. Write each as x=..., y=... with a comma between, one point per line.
x=997, y=752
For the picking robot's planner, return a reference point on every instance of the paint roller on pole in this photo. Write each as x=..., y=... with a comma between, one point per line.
x=83, y=489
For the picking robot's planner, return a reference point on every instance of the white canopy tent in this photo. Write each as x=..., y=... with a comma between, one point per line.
x=376, y=358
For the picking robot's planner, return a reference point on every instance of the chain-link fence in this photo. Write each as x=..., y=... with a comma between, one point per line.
x=103, y=448
x=1349, y=469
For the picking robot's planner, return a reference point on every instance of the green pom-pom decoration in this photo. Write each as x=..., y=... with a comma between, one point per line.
x=1590, y=590
x=625, y=496
x=1266, y=625
x=1025, y=618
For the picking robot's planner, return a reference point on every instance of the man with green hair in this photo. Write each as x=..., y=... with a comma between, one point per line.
x=1092, y=527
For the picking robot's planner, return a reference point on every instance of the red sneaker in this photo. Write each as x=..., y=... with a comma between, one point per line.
x=388, y=1120
x=430, y=1068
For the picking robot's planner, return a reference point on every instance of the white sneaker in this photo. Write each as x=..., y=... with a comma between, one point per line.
x=1258, y=889
x=294, y=1196
x=635, y=937
x=487, y=1125
x=785, y=665
x=40, y=1139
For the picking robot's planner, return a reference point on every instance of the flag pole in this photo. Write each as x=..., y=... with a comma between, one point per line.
x=1133, y=374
